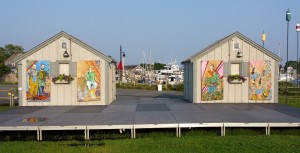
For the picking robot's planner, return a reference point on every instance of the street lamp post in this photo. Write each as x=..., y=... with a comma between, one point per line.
x=263, y=38
x=297, y=29
x=288, y=19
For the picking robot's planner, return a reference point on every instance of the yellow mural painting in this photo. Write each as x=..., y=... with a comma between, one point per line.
x=212, y=80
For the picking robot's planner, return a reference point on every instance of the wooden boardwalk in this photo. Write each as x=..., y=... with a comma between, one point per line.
x=137, y=109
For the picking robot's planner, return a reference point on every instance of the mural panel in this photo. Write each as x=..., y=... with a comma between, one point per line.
x=38, y=81
x=260, y=84
x=212, y=80
x=88, y=81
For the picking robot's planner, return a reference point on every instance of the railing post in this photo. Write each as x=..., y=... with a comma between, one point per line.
x=10, y=100
x=12, y=97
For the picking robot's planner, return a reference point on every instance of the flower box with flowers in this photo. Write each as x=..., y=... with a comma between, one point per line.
x=236, y=79
x=62, y=79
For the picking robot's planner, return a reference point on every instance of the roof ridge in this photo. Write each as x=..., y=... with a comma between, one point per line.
x=54, y=38
x=237, y=34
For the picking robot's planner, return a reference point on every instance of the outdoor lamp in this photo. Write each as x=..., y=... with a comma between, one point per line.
x=66, y=54
x=263, y=38
x=64, y=47
x=288, y=15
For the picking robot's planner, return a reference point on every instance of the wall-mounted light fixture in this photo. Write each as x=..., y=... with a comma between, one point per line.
x=64, y=48
x=239, y=53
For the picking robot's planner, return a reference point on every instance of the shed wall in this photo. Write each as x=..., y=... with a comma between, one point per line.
x=234, y=93
x=66, y=94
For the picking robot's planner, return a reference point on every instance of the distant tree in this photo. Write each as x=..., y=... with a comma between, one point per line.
x=155, y=66
x=3, y=70
x=159, y=66
x=10, y=49
x=293, y=64
x=6, y=52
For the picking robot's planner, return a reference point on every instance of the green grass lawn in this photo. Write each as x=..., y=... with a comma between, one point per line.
x=291, y=100
x=4, y=108
x=195, y=140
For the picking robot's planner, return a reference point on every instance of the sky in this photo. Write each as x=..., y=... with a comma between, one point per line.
x=160, y=30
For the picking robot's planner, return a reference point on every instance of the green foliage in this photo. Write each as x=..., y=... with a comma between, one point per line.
x=178, y=87
x=283, y=84
x=10, y=49
x=236, y=77
x=4, y=108
x=293, y=64
x=4, y=70
x=62, y=77
x=194, y=140
x=155, y=66
x=159, y=66
x=136, y=86
x=292, y=100
x=6, y=52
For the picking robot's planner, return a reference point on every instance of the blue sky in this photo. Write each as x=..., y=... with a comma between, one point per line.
x=170, y=28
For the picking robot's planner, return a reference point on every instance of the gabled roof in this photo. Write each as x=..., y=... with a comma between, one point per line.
x=13, y=57
x=68, y=36
x=227, y=38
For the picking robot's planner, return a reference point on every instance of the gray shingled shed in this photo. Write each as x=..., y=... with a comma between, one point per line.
x=63, y=70
x=234, y=69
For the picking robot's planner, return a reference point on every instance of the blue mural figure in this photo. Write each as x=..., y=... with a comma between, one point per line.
x=42, y=74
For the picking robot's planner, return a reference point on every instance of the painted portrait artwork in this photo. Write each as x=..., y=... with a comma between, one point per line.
x=260, y=84
x=212, y=80
x=38, y=81
x=88, y=81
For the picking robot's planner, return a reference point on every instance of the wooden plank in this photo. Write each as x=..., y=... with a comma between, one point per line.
x=60, y=95
x=225, y=51
x=259, y=55
x=75, y=52
x=197, y=71
x=89, y=55
x=231, y=91
x=45, y=53
x=198, y=84
x=68, y=94
x=245, y=91
x=252, y=54
x=246, y=52
x=211, y=55
x=218, y=53
x=238, y=93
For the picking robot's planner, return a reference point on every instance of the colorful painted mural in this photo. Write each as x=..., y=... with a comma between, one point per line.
x=88, y=81
x=38, y=81
x=212, y=80
x=260, y=84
